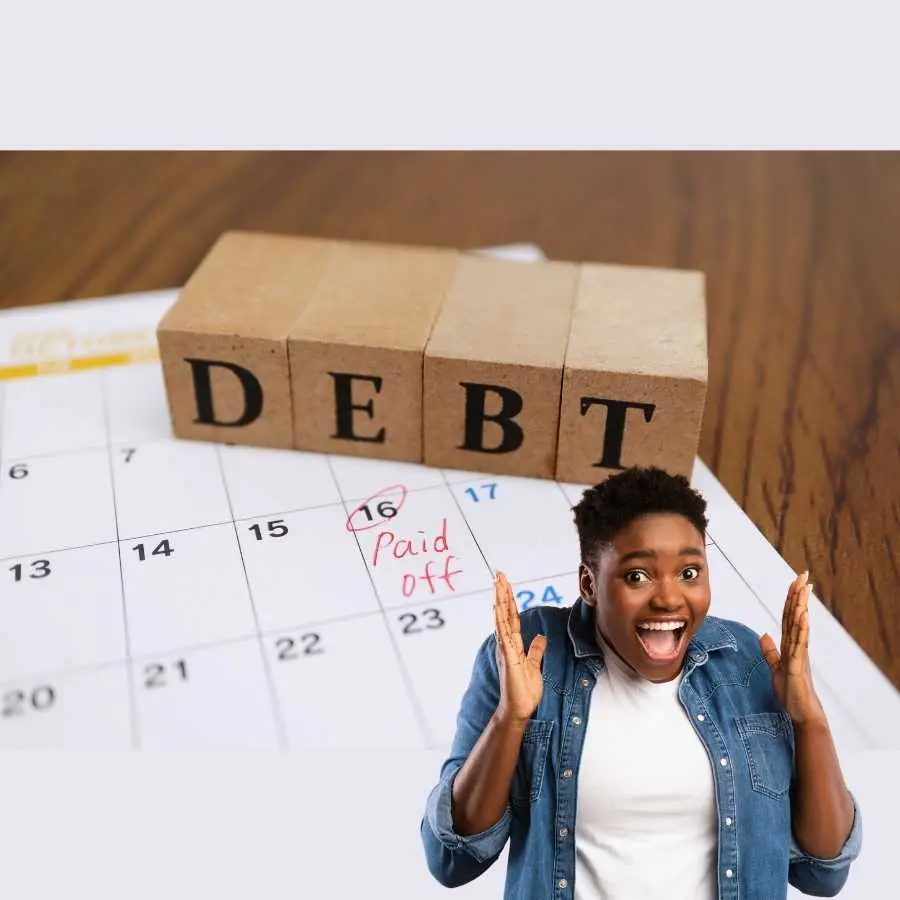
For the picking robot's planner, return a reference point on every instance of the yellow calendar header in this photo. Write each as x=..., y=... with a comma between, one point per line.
x=56, y=351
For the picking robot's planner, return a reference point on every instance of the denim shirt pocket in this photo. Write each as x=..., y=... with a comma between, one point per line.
x=529, y=772
x=767, y=740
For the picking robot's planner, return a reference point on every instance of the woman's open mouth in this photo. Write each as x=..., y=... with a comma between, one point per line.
x=662, y=639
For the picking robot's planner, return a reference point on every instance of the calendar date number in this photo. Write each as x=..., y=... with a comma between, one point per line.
x=276, y=528
x=309, y=645
x=415, y=623
x=482, y=492
x=163, y=548
x=549, y=597
x=40, y=568
x=18, y=703
x=160, y=675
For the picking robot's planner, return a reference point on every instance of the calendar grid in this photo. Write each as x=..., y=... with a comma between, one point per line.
x=132, y=699
x=281, y=630
x=214, y=524
x=90, y=656
x=270, y=682
x=562, y=490
x=421, y=717
x=838, y=701
x=466, y=520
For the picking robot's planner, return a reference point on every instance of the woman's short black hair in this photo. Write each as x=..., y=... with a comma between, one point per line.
x=605, y=509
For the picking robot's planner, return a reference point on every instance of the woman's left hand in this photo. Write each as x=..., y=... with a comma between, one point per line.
x=791, y=671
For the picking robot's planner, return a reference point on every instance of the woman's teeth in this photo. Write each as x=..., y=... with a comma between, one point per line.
x=661, y=626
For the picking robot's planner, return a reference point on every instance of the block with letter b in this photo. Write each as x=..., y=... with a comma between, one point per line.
x=356, y=351
x=223, y=343
x=634, y=387
x=493, y=367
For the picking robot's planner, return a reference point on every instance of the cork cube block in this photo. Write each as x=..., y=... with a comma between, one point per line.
x=356, y=351
x=493, y=367
x=223, y=343
x=635, y=380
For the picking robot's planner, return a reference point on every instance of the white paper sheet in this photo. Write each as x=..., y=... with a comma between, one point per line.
x=163, y=594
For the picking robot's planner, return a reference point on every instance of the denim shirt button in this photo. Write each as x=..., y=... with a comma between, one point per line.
x=728, y=873
x=563, y=883
x=576, y=720
x=567, y=773
x=585, y=682
x=563, y=832
x=724, y=761
x=701, y=717
x=727, y=820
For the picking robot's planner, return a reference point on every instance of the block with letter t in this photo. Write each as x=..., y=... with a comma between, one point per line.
x=493, y=367
x=356, y=351
x=634, y=387
x=223, y=343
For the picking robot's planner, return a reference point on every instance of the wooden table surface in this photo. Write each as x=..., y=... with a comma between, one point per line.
x=801, y=253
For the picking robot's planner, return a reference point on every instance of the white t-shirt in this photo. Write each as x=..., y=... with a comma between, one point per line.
x=646, y=824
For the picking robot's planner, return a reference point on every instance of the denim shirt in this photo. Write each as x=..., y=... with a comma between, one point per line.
x=727, y=693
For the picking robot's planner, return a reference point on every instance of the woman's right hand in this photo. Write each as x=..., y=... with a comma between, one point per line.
x=521, y=681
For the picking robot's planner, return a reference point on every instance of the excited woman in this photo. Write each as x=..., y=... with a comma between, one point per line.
x=634, y=747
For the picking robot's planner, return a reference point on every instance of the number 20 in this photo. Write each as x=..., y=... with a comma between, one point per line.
x=16, y=702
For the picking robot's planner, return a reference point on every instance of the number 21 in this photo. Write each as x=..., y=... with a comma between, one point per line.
x=155, y=673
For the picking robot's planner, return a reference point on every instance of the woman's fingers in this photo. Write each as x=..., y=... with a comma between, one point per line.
x=787, y=618
x=800, y=632
x=515, y=625
x=509, y=636
x=501, y=617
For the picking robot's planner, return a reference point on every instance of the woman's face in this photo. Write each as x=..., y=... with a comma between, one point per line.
x=650, y=591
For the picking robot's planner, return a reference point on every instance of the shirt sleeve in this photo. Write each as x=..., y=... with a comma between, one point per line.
x=455, y=859
x=826, y=877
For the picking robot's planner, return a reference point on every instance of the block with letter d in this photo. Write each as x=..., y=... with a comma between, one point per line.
x=223, y=343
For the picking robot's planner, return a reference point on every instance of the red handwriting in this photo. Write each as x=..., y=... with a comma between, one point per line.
x=428, y=572
x=410, y=546
x=411, y=582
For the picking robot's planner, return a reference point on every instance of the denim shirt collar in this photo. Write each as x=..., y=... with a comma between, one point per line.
x=712, y=635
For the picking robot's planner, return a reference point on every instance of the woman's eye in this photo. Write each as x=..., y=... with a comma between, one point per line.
x=694, y=569
x=636, y=576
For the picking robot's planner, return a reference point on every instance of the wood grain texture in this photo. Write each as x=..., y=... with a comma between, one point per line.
x=800, y=249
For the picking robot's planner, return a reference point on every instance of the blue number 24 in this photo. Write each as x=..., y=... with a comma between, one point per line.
x=527, y=598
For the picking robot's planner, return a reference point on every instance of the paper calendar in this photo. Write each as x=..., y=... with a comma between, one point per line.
x=166, y=594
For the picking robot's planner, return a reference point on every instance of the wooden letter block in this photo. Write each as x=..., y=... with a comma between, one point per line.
x=493, y=367
x=356, y=352
x=223, y=343
x=635, y=380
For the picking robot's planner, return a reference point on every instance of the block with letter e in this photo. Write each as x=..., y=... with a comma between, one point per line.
x=356, y=351
x=223, y=343
x=635, y=380
x=493, y=367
